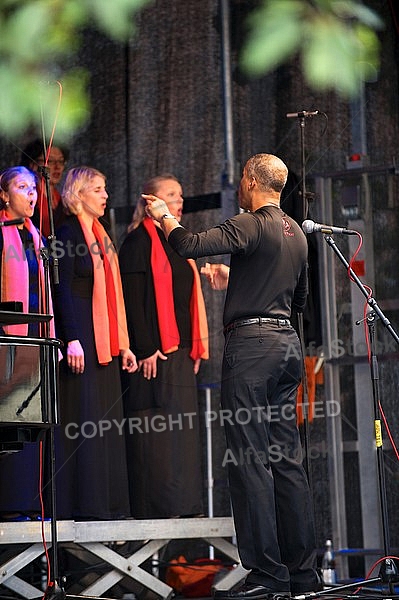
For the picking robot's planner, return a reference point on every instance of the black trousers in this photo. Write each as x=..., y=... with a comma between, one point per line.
x=270, y=495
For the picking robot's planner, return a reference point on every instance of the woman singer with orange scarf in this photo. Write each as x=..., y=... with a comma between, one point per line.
x=91, y=321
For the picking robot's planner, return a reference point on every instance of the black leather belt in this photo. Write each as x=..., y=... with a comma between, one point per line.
x=257, y=321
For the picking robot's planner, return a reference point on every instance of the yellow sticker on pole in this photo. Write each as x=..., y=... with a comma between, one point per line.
x=378, y=433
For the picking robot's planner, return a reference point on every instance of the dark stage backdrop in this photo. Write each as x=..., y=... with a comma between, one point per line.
x=157, y=105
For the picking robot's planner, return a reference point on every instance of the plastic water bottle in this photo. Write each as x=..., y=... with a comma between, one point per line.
x=328, y=564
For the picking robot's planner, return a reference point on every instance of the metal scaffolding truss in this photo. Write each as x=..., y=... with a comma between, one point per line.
x=96, y=537
x=354, y=202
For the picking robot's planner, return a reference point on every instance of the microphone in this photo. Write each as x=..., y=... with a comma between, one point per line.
x=302, y=113
x=309, y=226
x=11, y=222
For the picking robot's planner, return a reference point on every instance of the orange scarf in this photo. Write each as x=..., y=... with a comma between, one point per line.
x=15, y=273
x=162, y=275
x=109, y=316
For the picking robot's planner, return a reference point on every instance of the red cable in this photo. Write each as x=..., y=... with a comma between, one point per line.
x=370, y=292
x=395, y=21
x=50, y=145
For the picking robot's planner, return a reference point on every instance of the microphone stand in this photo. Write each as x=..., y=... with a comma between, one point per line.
x=388, y=571
x=305, y=412
x=54, y=589
x=303, y=168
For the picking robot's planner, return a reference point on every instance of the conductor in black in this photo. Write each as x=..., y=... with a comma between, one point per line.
x=262, y=368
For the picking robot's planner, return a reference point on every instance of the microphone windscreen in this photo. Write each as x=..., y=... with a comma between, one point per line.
x=308, y=226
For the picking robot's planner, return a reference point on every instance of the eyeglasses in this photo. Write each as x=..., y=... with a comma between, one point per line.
x=52, y=161
x=56, y=161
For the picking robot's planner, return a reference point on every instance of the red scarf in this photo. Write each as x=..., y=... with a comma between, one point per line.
x=109, y=316
x=162, y=276
x=15, y=273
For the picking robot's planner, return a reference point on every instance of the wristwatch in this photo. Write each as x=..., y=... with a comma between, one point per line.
x=167, y=216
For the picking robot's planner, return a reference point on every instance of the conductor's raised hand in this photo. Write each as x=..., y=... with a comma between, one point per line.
x=156, y=207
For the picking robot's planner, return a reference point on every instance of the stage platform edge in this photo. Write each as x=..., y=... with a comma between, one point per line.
x=96, y=537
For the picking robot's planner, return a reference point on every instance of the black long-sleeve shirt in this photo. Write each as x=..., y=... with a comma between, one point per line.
x=268, y=267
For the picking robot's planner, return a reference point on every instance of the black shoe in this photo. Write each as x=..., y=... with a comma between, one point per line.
x=250, y=591
x=307, y=587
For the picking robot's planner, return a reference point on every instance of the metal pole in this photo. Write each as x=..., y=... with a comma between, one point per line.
x=209, y=467
x=229, y=200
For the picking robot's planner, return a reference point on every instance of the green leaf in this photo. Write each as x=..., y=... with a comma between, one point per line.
x=36, y=38
x=115, y=17
x=335, y=38
x=15, y=111
x=23, y=31
x=364, y=14
x=276, y=34
x=339, y=57
x=75, y=104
